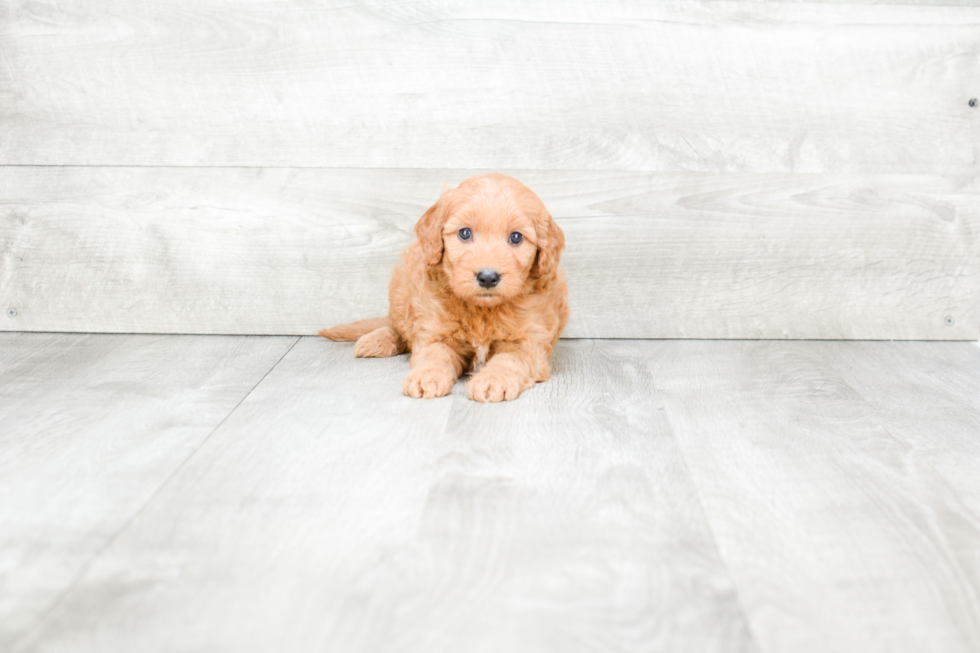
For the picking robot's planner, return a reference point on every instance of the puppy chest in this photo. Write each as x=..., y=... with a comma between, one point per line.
x=478, y=338
x=481, y=350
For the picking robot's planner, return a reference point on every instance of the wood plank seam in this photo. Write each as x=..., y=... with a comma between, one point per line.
x=43, y=617
x=736, y=590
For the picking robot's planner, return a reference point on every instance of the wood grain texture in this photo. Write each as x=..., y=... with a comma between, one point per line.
x=649, y=255
x=331, y=513
x=840, y=536
x=928, y=399
x=841, y=87
x=92, y=427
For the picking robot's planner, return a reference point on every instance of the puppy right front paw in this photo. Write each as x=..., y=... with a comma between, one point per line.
x=427, y=383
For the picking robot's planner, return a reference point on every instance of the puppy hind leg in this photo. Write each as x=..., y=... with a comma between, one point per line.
x=380, y=343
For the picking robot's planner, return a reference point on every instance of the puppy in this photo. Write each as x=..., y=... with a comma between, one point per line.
x=479, y=289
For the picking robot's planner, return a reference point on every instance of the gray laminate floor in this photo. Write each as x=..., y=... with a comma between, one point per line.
x=202, y=493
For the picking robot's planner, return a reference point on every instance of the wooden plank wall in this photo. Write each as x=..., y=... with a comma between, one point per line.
x=721, y=169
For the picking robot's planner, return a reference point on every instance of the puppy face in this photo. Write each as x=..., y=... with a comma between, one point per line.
x=489, y=247
x=490, y=235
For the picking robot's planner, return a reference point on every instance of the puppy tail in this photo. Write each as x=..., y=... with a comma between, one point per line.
x=354, y=330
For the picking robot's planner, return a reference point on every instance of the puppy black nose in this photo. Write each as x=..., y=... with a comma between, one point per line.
x=487, y=278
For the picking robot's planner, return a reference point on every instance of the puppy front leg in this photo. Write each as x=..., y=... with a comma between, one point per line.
x=435, y=368
x=512, y=370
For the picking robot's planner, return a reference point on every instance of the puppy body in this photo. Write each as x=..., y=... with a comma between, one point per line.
x=493, y=303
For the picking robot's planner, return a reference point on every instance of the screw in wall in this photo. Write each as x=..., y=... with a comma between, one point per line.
x=11, y=312
x=949, y=321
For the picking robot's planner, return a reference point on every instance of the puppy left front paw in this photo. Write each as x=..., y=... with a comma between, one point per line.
x=488, y=385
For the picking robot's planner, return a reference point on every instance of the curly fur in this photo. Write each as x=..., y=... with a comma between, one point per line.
x=504, y=335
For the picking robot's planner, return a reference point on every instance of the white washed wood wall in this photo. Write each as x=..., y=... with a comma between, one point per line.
x=721, y=169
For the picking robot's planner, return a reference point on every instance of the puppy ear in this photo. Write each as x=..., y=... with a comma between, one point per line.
x=428, y=230
x=551, y=242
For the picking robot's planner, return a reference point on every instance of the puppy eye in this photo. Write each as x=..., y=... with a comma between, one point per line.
x=516, y=238
x=465, y=233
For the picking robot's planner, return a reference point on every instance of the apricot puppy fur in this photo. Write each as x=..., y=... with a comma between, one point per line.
x=479, y=289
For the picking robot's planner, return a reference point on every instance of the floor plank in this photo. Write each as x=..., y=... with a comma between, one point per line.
x=91, y=426
x=330, y=513
x=839, y=535
x=927, y=395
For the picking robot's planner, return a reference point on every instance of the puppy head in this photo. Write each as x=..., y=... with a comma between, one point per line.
x=493, y=237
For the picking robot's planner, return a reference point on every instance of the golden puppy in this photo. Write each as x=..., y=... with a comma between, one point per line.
x=479, y=289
